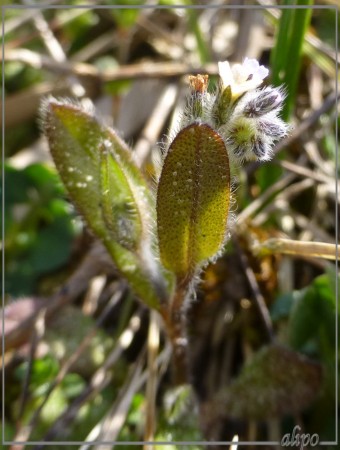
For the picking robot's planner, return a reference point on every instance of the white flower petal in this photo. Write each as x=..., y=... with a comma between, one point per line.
x=242, y=77
x=225, y=73
x=262, y=72
x=252, y=67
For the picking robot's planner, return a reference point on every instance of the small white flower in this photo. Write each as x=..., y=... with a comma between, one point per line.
x=242, y=77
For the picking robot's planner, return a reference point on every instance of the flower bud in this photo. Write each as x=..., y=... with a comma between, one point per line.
x=198, y=101
x=199, y=83
x=272, y=127
x=257, y=148
x=222, y=108
x=259, y=103
x=260, y=148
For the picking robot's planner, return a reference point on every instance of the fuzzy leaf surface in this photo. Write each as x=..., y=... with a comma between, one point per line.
x=193, y=199
x=120, y=213
x=107, y=188
x=276, y=382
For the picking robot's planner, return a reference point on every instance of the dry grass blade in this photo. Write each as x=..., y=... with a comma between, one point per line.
x=151, y=386
x=296, y=134
x=95, y=262
x=30, y=100
x=109, y=428
x=91, y=299
x=38, y=332
x=134, y=71
x=99, y=381
x=258, y=297
x=154, y=126
x=281, y=203
x=258, y=203
x=151, y=27
x=296, y=248
x=315, y=230
x=55, y=49
x=104, y=42
x=305, y=172
x=24, y=433
x=156, y=70
x=311, y=119
x=12, y=24
x=39, y=61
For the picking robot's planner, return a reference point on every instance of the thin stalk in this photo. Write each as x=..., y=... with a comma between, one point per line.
x=176, y=327
x=296, y=248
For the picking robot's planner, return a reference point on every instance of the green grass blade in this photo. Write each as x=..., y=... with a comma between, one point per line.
x=300, y=25
x=285, y=65
x=278, y=56
x=286, y=54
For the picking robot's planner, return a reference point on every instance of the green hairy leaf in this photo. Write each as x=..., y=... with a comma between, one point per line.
x=108, y=189
x=120, y=212
x=193, y=199
x=276, y=382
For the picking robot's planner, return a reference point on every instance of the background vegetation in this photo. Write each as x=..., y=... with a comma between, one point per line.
x=77, y=342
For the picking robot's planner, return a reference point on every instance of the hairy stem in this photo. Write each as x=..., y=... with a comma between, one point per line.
x=176, y=327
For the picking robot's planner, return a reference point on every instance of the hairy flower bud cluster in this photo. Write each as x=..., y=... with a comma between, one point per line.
x=254, y=124
x=245, y=115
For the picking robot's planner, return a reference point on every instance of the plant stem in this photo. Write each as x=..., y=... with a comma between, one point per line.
x=176, y=327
